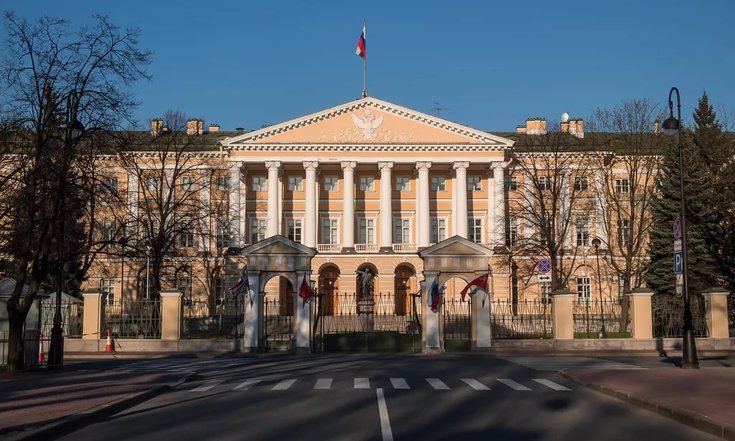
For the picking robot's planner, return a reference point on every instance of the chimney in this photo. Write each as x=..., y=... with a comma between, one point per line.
x=195, y=126
x=213, y=128
x=156, y=126
x=576, y=127
x=535, y=126
x=656, y=128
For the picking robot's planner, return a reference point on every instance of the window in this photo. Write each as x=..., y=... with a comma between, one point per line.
x=107, y=231
x=183, y=284
x=474, y=230
x=545, y=183
x=403, y=231
x=366, y=231
x=293, y=227
x=403, y=183
x=623, y=232
x=258, y=183
x=257, y=230
x=622, y=186
x=219, y=291
x=330, y=231
x=474, y=183
x=580, y=183
x=107, y=288
x=513, y=233
x=187, y=183
x=583, y=232
x=438, y=183
x=511, y=183
x=583, y=289
x=295, y=183
x=545, y=288
x=223, y=183
x=367, y=183
x=110, y=185
x=186, y=232
x=152, y=184
x=438, y=230
x=223, y=234
x=330, y=183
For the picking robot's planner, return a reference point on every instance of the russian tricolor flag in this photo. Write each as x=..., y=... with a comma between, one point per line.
x=361, y=48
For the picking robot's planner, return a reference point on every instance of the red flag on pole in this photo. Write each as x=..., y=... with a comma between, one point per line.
x=480, y=282
x=305, y=291
x=361, y=47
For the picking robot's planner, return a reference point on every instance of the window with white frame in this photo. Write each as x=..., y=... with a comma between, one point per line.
x=367, y=183
x=257, y=183
x=107, y=231
x=110, y=184
x=583, y=289
x=622, y=186
x=474, y=230
x=580, y=183
x=511, y=183
x=623, y=232
x=222, y=233
x=438, y=230
x=151, y=184
x=513, y=232
x=621, y=288
x=438, y=183
x=402, y=231
x=545, y=183
x=366, y=231
x=403, y=183
x=293, y=229
x=183, y=284
x=583, y=232
x=257, y=229
x=474, y=183
x=186, y=232
x=295, y=183
x=223, y=183
x=107, y=289
x=330, y=231
x=187, y=183
x=330, y=183
x=545, y=288
x=219, y=290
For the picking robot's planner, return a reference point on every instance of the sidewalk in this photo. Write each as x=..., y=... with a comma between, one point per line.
x=702, y=398
x=36, y=404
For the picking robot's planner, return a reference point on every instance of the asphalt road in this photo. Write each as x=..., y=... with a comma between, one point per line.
x=378, y=397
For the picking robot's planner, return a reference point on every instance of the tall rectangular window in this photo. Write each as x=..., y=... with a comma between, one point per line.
x=366, y=231
x=186, y=232
x=545, y=183
x=152, y=184
x=257, y=230
x=583, y=289
x=107, y=289
x=623, y=232
x=511, y=183
x=438, y=230
x=107, y=231
x=110, y=185
x=438, y=183
x=403, y=231
x=367, y=183
x=223, y=233
x=474, y=183
x=187, y=183
x=622, y=186
x=223, y=183
x=580, y=183
x=403, y=183
x=258, y=183
x=583, y=232
x=293, y=227
x=295, y=183
x=513, y=232
x=183, y=284
x=330, y=183
x=330, y=231
x=219, y=290
x=545, y=288
x=474, y=230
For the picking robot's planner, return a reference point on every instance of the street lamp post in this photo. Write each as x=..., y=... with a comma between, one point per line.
x=672, y=127
x=596, y=242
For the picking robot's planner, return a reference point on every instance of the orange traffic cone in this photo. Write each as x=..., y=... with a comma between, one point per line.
x=108, y=345
x=41, y=355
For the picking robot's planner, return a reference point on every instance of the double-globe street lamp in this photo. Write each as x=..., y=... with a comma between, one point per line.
x=672, y=127
x=596, y=242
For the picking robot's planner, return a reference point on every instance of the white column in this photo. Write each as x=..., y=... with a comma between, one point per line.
x=251, y=313
x=431, y=329
x=272, y=227
x=311, y=212
x=133, y=199
x=460, y=195
x=243, y=189
x=205, y=197
x=490, y=208
x=236, y=233
x=566, y=209
x=303, y=317
x=499, y=203
x=424, y=208
x=386, y=205
x=601, y=206
x=348, y=205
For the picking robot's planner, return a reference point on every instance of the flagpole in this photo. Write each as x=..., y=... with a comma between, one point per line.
x=364, y=63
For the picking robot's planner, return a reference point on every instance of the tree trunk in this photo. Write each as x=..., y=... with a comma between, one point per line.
x=625, y=308
x=15, y=340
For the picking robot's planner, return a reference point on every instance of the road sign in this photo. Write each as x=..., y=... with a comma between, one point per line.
x=678, y=262
x=677, y=245
x=544, y=278
x=543, y=266
x=677, y=228
x=679, y=279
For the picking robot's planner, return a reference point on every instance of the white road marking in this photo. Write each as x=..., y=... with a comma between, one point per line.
x=206, y=386
x=437, y=384
x=245, y=385
x=474, y=384
x=512, y=384
x=284, y=384
x=323, y=384
x=384, y=419
x=550, y=384
x=399, y=383
x=362, y=383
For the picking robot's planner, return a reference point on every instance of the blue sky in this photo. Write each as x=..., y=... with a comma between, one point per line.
x=489, y=64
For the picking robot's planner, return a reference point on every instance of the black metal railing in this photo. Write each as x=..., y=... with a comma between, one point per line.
x=72, y=317
x=589, y=315
x=668, y=316
x=522, y=319
x=133, y=319
x=3, y=349
x=202, y=320
x=277, y=326
x=344, y=312
x=457, y=319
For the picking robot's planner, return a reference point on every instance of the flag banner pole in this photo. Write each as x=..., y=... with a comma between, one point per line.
x=364, y=61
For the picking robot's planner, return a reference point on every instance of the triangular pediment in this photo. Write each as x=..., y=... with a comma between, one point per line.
x=367, y=121
x=278, y=245
x=456, y=246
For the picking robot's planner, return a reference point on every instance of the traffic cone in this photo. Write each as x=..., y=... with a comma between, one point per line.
x=41, y=355
x=108, y=345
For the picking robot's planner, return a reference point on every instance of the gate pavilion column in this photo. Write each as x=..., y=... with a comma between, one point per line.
x=424, y=210
x=481, y=322
x=92, y=319
x=499, y=203
x=251, y=304
x=641, y=322
x=460, y=195
x=562, y=314
x=311, y=213
x=431, y=336
x=348, y=206
x=716, y=312
x=386, y=207
x=171, y=314
x=302, y=312
x=273, y=168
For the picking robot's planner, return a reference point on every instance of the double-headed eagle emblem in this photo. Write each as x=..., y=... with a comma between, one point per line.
x=367, y=123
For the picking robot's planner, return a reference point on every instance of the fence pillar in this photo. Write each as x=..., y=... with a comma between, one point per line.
x=431, y=335
x=302, y=327
x=641, y=314
x=171, y=314
x=481, y=323
x=251, y=303
x=92, y=319
x=562, y=314
x=716, y=312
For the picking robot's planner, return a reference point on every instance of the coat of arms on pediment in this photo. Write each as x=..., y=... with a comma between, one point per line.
x=367, y=123
x=367, y=128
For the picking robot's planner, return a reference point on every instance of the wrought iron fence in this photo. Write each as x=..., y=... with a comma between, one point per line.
x=277, y=325
x=72, y=317
x=590, y=315
x=668, y=316
x=3, y=349
x=133, y=319
x=385, y=311
x=456, y=319
x=203, y=320
x=522, y=319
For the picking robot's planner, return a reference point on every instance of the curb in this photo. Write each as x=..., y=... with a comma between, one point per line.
x=692, y=419
x=75, y=422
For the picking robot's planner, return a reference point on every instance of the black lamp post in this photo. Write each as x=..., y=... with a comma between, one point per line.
x=596, y=242
x=672, y=127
